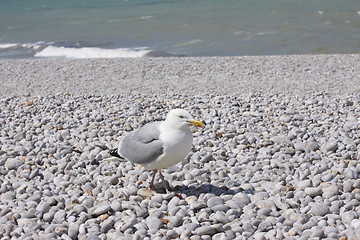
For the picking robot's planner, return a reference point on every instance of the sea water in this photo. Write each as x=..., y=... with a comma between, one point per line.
x=136, y=28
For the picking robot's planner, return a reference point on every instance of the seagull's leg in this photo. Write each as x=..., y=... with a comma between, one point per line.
x=152, y=186
x=163, y=181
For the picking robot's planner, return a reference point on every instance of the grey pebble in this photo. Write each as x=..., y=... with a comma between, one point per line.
x=279, y=138
x=317, y=232
x=172, y=234
x=303, y=184
x=8, y=196
x=93, y=237
x=177, y=220
x=299, y=146
x=350, y=173
x=313, y=191
x=312, y=146
x=107, y=225
x=43, y=207
x=220, y=217
x=59, y=217
x=318, y=209
x=79, y=208
x=73, y=230
x=220, y=208
x=88, y=202
x=330, y=146
x=259, y=236
x=348, y=186
x=219, y=236
x=13, y=163
x=116, y=205
x=327, y=177
x=264, y=211
x=198, y=205
x=19, y=136
x=49, y=216
x=98, y=210
x=214, y=201
x=347, y=217
x=205, y=230
x=248, y=227
x=154, y=224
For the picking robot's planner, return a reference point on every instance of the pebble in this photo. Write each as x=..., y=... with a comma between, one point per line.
x=318, y=209
x=172, y=234
x=264, y=212
x=8, y=196
x=252, y=174
x=49, y=216
x=205, y=230
x=312, y=146
x=303, y=184
x=331, y=146
x=99, y=210
x=73, y=230
x=107, y=225
x=313, y=191
x=259, y=236
x=215, y=201
x=220, y=217
x=299, y=146
x=145, y=193
x=177, y=220
x=154, y=224
x=13, y=163
x=279, y=138
x=59, y=217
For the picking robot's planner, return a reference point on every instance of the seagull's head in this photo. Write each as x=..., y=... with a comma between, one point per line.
x=180, y=118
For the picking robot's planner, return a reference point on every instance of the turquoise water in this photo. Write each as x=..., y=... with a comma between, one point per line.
x=135, y=28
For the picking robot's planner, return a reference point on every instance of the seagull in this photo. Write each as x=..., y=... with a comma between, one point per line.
x=159, y=145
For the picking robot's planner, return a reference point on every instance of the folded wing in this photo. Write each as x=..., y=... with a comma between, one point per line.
x=143, y=145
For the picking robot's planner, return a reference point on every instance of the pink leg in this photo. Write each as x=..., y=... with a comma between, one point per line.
x=163, y=181
x=152, y=186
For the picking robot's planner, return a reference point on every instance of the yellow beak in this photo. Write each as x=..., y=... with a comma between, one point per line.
x=196, y=123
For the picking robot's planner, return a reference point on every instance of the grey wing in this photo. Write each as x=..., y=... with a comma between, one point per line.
x=142, y=145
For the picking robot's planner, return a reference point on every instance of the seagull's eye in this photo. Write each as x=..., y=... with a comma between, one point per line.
x=181, y=116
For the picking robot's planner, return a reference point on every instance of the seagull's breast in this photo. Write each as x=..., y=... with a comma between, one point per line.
x=176, y=144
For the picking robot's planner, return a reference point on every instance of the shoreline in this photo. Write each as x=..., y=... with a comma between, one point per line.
x=332, y=74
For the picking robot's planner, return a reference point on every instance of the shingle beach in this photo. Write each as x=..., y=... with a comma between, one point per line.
x=278, y=157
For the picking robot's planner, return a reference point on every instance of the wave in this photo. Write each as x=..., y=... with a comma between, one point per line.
x=8, y=45
x=92, y=52
x=4, y=46
x=187, y=43
x=73, y=50
x=20, y=50
x=246, y=35
x=141, y=18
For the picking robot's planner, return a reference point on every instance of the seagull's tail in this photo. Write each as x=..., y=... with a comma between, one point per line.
x=114, y=153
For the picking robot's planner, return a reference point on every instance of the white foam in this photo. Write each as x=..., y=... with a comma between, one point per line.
x=7, y=45
x=190, y=42
x=91, y=52
x=145, y=17
x=270, y=32
x=34, y=46
x=129, y=19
